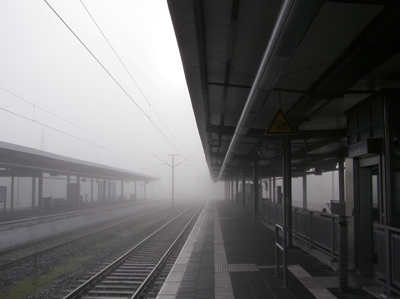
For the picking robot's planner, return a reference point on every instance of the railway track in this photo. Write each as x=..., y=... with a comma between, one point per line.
x=18, y=254
x=132, y=274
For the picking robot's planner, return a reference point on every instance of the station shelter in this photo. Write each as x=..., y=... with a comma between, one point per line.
x=288, y=89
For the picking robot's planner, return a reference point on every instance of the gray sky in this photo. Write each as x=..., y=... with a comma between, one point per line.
x=55, y=96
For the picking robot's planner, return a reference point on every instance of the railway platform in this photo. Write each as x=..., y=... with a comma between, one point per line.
x=228, y=256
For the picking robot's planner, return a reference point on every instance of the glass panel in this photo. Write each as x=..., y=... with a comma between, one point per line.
x=376, y=111
x=363, y=117
x=364, y=134
x=352, y=122
x=375, y=195
x=353, y=139
x=377, y=130
x=375, y=210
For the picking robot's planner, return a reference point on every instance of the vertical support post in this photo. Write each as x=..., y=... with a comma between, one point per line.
x=270, y=188
x=244, y=190
x=91, y=189
x=122, y=189
x=145, y=189
x=232, y=193
x=342, y=271
x=287, y=189
x=12, y=195
x=40, y=195
x=237, y=188
x=173, y=167
x=341, y=180
x=304, y=191
x=136, y=196
x=274, y=189
x=104, y=189
x=33, y=192
x=255, y=185
x=78, y=182
x=109, y=190
x=68, y=179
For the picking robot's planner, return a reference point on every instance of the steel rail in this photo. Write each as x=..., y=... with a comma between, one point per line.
x=148, y=279
x=84, y=286
x=48, y=239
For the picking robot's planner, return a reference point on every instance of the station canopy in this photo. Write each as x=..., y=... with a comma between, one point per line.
x=16, y=160
x=314, y=59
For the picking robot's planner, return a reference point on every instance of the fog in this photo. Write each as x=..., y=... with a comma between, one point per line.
x=64, y=90
x=56, y=97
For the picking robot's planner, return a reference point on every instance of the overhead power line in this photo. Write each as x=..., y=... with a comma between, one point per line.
x=71, y=123
x=71, y=135
x=130, y=75
x=112, y=77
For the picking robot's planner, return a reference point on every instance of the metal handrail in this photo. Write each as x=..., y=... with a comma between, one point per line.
x=282, y=247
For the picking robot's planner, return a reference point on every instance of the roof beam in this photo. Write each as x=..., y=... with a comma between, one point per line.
x=376, y=44
x=260, y=133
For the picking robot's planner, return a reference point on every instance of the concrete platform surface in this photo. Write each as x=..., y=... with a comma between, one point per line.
x=227, y=256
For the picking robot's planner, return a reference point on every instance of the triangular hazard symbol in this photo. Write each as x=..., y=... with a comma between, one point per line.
x=280, y=125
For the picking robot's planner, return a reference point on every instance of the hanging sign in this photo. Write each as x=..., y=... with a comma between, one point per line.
x=280, y=125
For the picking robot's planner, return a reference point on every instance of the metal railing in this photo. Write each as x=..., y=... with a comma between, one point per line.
x=387, y=271
x=317, y=229
x=282, y=247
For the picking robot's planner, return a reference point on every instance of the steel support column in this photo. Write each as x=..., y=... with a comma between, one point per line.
x=122, y=189
x=232, y=193
x=91, y=189
x=78, y=181
x=244, y=190
x=33, y=192
x=237, y=188
x=40, y=195
x=304, y=191
x=273, y=189
x=104, y=190
x=341, y=180
x=255, y=185
x=270, y=188
x=287, y=189
x=12, y=195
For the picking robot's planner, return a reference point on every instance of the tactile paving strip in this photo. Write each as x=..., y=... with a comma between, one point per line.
x=235, y=267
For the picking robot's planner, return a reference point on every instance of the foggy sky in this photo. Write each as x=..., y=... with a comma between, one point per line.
x=72, y=107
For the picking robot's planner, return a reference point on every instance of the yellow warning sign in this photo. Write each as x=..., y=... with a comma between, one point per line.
x=280, y=125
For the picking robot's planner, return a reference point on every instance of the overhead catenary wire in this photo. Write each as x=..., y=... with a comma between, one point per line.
x=151, y=107
x=69, y=122
x=72, y=136
x=112, y=77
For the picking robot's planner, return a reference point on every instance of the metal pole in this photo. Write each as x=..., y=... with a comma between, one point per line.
x=91, y=189
x=244, y=190
x=287, y=189
x=341, y=180
x=173, y=167
x=40, y=196
x=270, y=188
x=255, y=180
x=12, y=195
x=33, y=192
x=342, y=271
x=304, y=191
x=237, y=188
